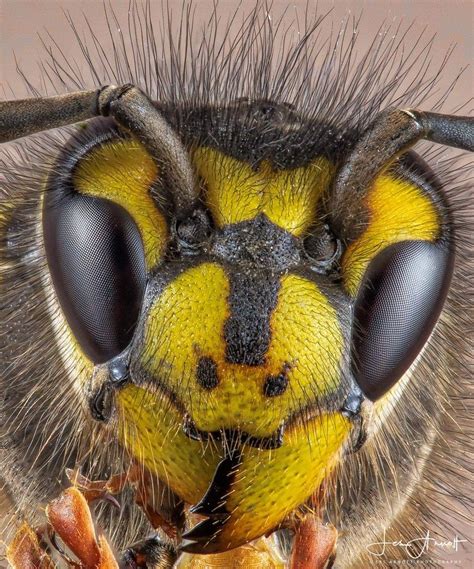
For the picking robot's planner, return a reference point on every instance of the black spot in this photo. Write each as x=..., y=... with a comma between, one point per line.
x=252, y=299
x=207, y=373
x=275, y=385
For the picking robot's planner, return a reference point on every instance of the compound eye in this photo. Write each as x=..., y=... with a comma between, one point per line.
x=97, y=263
x=399, y=301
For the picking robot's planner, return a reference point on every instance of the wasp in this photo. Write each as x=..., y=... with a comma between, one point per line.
x=233, y=303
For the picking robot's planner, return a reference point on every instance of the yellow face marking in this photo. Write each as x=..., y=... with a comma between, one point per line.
x=271, y=484
x=398, y=211
x=306, y=334
x=236, y=192
x=186, y=322
x=268, y=484
x=150, y=428
x=122, y=171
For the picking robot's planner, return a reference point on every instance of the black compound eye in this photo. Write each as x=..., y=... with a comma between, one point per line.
x=96, y=259
x=399, y=302
x=323, y=249
x=193, y=231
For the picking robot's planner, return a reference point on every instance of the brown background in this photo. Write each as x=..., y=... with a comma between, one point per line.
x=450, y=20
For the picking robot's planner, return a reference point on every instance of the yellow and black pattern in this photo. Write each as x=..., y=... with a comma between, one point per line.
x=244, y=339
x=103, y=232
x=215, y=346
x=398, y=210
x=122, y=171
x=244, y=347
x=237, y=192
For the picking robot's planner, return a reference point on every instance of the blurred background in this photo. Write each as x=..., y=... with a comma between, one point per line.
x=451, y=22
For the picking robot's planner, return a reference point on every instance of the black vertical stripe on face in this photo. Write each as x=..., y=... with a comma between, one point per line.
x=252, y=299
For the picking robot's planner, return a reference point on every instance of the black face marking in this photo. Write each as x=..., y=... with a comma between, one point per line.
x=258, y=242
x=252, y=299
x=275, y=385
x=267, y=443
x=206, y=373
x=233, y=437
x=271, y=131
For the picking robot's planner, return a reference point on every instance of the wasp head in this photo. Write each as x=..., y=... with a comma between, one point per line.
x=243, y=338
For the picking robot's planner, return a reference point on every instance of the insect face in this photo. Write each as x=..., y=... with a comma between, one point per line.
x=220, y=323
x=239, y=295
x=238, y=339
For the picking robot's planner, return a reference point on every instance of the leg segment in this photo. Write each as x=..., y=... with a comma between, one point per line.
x=167, y=513
x=25, y=550
x=70, y=519
x=314, y=545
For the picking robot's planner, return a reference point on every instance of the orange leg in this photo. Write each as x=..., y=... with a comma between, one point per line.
x=314, y=545
x=69, y=518
x=25, y=551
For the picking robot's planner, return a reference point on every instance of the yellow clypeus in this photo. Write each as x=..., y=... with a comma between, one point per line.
x=122, y=171
x=186, y=322
x=398, y=211
x=237, y=192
